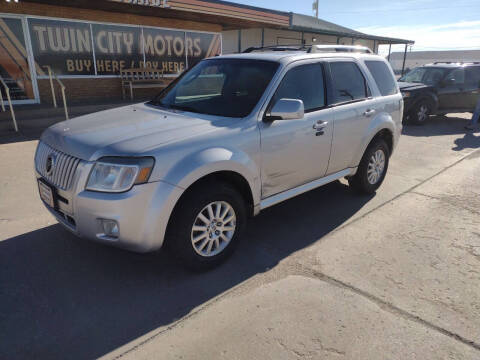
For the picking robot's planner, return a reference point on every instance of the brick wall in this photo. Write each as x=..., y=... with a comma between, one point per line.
x=95, y=90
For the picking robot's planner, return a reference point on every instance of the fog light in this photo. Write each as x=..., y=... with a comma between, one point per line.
x=110, y=228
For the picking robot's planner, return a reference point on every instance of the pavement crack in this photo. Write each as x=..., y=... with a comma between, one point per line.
x=387, y=306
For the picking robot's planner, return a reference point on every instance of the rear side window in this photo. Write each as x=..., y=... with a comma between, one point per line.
x=383, y=77
x=304, y=82
x=473, y=76
x=349, y=82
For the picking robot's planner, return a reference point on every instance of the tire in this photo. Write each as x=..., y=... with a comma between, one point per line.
x=420, y=113
x=368, y=178
x=206, y=246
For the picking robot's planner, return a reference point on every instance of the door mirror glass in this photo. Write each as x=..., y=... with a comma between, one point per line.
x=287, y=109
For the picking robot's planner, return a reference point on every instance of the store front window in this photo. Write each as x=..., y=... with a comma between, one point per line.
x=14, y=65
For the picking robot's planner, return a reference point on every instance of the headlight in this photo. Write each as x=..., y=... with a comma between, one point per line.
x=405, y=94
x=116, y=174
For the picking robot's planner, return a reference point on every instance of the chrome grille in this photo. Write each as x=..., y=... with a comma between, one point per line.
x=65, y=165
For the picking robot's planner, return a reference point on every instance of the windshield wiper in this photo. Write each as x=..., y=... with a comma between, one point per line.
x=184, y=108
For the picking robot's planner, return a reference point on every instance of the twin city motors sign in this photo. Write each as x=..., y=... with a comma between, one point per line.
x=82, y=48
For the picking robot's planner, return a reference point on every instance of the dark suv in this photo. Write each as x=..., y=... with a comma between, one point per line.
x=439, y=88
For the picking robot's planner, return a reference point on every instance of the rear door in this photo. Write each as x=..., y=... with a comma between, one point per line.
x=452, y=95
x=472, y=85
x=353, y=108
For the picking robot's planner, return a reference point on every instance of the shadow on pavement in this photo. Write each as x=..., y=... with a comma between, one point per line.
x=443, y=125
x=437, y=126
x=63, y=297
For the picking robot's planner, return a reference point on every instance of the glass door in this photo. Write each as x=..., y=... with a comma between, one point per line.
x=14, y=62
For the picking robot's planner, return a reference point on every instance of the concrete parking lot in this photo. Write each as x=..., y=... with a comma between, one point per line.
x=327, y=275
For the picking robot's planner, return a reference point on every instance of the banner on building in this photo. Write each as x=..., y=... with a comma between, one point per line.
x=81, y=48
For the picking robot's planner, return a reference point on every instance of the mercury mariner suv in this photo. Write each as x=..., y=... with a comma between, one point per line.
x=228, y=138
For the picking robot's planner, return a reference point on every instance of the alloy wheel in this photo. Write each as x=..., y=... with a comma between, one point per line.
x=213, y=228
x=376, y=166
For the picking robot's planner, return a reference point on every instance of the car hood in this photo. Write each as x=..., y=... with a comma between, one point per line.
x=126, y=131
x=404, y=86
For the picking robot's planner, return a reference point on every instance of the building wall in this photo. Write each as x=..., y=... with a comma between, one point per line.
x=103, y=16
x=95, y=87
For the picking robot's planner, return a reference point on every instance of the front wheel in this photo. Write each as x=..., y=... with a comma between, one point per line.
x=372, y=169
x=420, y=113
x=206, y=225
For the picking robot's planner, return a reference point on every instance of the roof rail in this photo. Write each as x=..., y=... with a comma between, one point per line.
x=340, y=48
x=456, y=62
x=293, y=47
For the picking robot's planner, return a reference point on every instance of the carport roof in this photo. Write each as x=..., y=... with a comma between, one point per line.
x=299, y=22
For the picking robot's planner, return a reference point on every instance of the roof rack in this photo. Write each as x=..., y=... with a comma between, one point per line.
x=340, y=48
x=456, y=62
x=312, y=48
x=294, y=47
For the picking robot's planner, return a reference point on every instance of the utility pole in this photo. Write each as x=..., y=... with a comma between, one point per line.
x=315, y=7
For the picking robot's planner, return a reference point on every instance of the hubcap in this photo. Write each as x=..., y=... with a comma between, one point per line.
x=376, y=166
x=213, y=228
x=422, y=113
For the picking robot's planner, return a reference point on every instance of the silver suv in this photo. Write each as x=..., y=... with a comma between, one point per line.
x=228, y=138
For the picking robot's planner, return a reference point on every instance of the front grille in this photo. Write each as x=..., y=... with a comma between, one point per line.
x=63, y=169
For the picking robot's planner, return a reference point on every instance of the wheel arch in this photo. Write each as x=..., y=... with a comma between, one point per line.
x=218, y=164
x=429, y=97
x=383, y=127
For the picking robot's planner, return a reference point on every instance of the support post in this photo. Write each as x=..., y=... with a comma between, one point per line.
x=64, y=102
x=51, y=86
x=1, y=100
x=404, y=58
x=389, y=51
x=263, y=37
x=239, y=41
x=11, y=109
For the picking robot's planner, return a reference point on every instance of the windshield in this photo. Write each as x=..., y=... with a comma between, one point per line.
x=424, y=75
x=224, y=87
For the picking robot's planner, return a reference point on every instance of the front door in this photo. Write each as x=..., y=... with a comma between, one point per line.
x=294, y=152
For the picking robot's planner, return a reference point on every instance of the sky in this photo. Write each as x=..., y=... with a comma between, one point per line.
x=432, y=24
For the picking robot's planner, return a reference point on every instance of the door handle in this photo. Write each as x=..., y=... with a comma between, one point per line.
x=369, y=112
x=320, y=125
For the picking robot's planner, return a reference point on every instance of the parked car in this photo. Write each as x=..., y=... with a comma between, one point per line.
x=439, y=88
x=230, y=137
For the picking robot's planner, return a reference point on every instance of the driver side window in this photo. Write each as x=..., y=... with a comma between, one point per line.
x=304, y=82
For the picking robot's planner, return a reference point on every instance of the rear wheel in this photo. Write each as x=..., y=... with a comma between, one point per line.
x=206, y=225
x=372, y=169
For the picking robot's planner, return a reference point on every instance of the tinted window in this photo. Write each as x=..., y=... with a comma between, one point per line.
x=425, y=75
x=473, y=76
x=224, y=87
x=304, y=82
x=458, y=76
x=348, y=81
x=383, y=77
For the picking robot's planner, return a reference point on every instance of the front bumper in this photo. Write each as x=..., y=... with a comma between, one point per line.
x=142, y=213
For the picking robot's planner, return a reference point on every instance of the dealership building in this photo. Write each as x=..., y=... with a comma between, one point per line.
x=86, y=43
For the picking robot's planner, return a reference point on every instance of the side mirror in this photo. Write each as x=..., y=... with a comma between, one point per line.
x=286, y=109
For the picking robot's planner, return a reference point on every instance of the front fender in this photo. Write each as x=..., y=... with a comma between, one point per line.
x=199, y=164
x=380, y=122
